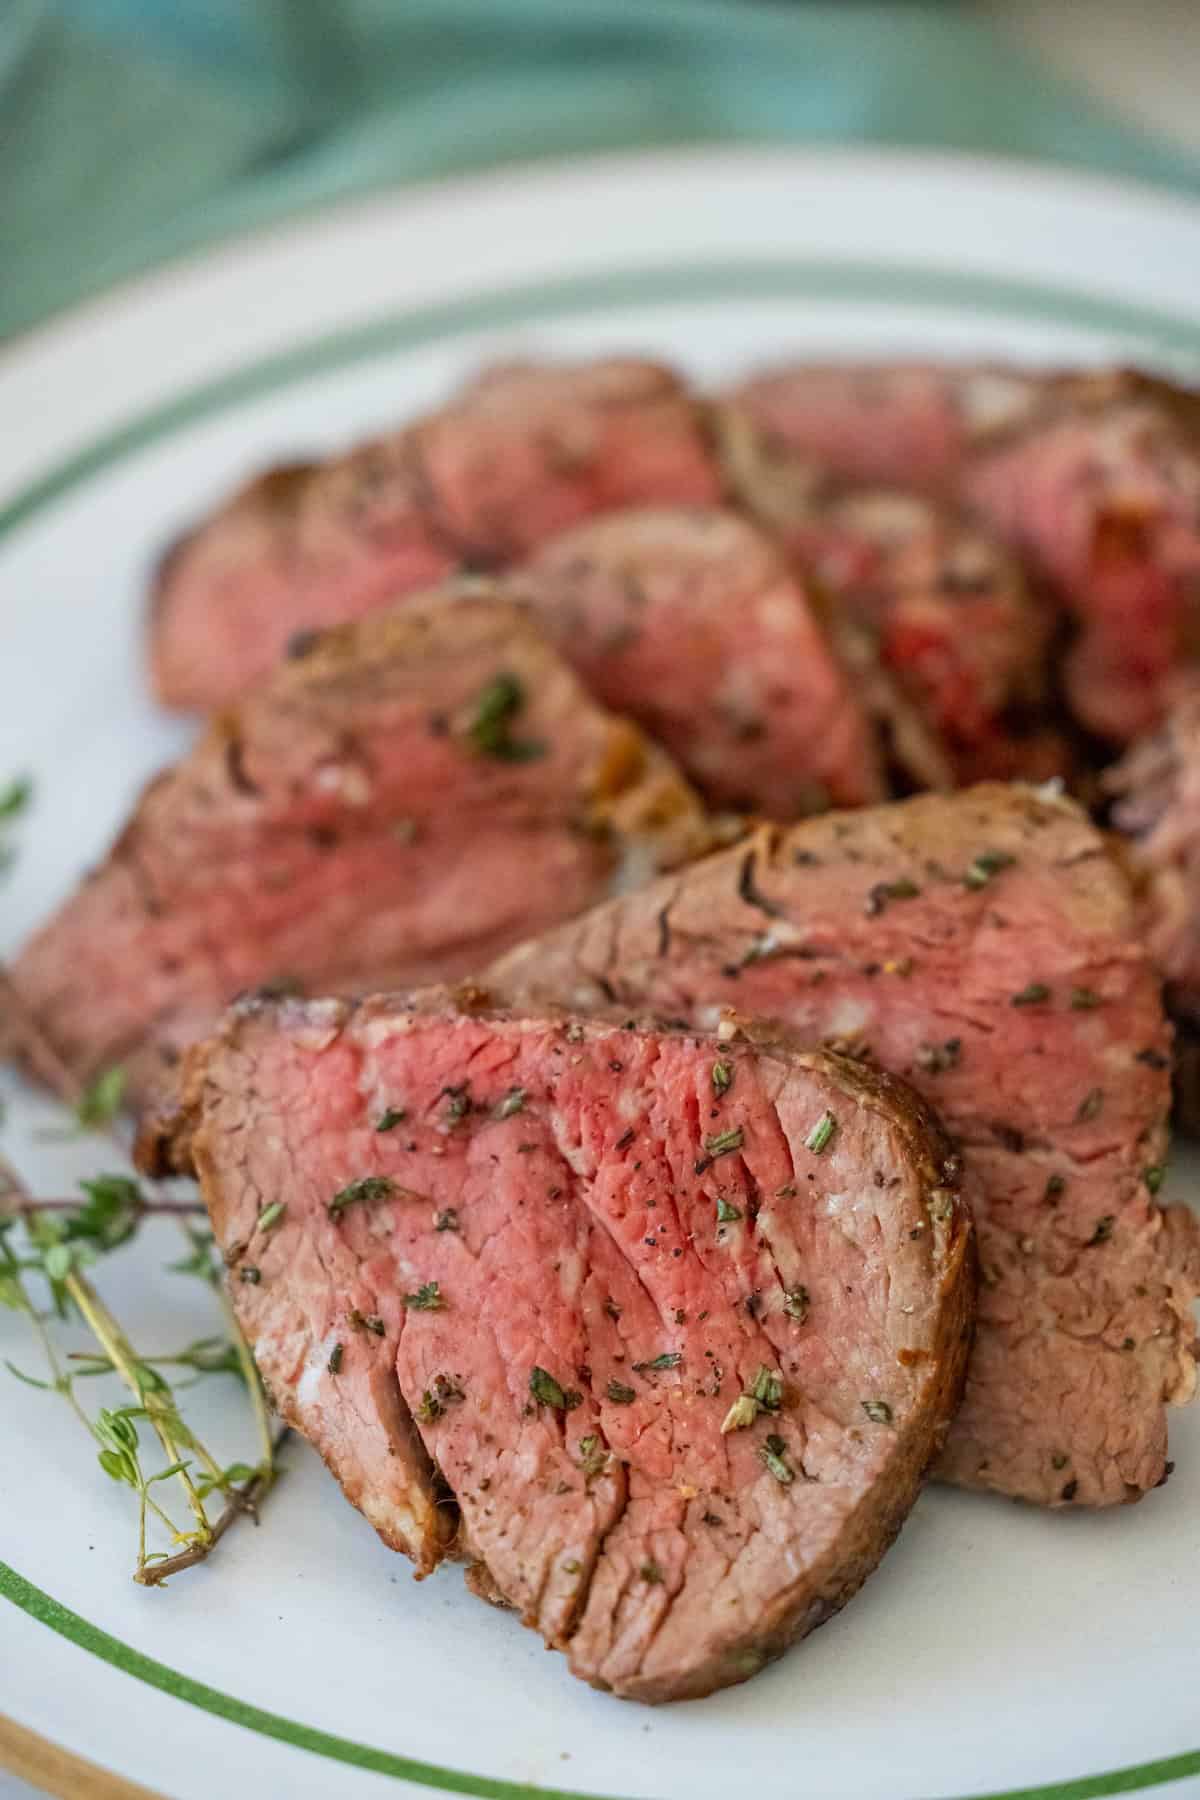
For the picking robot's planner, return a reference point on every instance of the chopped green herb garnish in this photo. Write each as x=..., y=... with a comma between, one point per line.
x=741, y=1414
x=513, y=1102
x=885, y=891
x=982, y=867
x=726, y=1211
x=446, y=1220
x=335, y=1359
x=1104, y=1229
x=367, y=1322
x=270, y=1216
x=490, y=729
x=388, y=1121
x=878, y=1411
x=1084, y=1000
x=1033, y=995
x=1055, y=1184
x=458, y=1103
x=1090, y=1105
x=367, y=1188
x=818, y=1138
x=593, y=1457
x=428, y=1298
x=620, y=1395
x=772, y=1454
x=722, y=1077
x=1154, y=1177
x=250, y=1274
x=795, y=1304
x=767, y=1389
x=547, y=1392
x=669, y=1359
x=435, y=1400
x=651, y=1573
x=725, y=1141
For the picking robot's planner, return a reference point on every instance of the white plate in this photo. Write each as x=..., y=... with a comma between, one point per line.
x=998, y=1648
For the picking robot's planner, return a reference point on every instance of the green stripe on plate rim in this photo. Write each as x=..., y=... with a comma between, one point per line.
x=48, y=1611
x=873, y=283
x=882, y=284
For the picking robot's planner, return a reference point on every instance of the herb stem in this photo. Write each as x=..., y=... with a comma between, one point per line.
x=109, y=1335
x=254, y=1387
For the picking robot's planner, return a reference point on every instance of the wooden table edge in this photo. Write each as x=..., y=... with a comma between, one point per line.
x=60, y=1772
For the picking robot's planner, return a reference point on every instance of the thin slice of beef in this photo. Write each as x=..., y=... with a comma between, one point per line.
x=1155, y=791
x=690, y=620
x=526, y=451
x=918, y=588
x=1093, y=477
x=982, y=945
x=423, y=788
x=678, y=1321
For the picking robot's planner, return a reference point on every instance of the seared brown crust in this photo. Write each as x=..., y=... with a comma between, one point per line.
x=983, y=946
x=232, y=1100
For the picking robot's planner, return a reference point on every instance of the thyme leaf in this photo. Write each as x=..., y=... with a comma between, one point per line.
x=366, y=1190
x=428, y=1298
x=548, y=1392
x=489, y=730
x=818, y=1138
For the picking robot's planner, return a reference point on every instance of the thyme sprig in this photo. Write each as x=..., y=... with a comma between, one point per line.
x=62, y=1240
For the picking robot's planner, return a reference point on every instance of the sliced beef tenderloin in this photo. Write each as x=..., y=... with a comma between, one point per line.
x=1155, y=790
x=982, y=945
x=933, y=599
x=1155, y=794
x=1094, y=478
x=421, y=789
x=690, y=620
x=526, y=451
x=677, y=1320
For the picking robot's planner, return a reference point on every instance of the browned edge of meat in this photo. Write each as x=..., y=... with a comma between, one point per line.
x=983, y=946
x=523, y=452
x=421, y=788
x=555, y=1265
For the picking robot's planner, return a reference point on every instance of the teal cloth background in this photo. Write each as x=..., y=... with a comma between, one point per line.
x=131, y=130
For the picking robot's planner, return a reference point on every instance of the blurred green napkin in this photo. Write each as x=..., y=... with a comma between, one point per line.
x=133, y=129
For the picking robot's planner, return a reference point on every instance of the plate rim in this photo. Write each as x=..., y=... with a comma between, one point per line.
x=710, y=279
x=408, y=328
x=242, y=241
x=86, y=1635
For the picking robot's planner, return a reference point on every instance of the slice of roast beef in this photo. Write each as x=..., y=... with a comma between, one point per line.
x=982, y=945
x=935, y=601
x=1094, y=478
x=526, y=451
x=678, y=1321
x=690, y=620
x=1155, y=791
x=423, y=788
